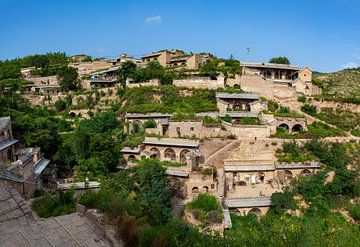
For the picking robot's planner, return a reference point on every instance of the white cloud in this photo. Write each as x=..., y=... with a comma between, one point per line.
x=350, y=65
x=153, y=19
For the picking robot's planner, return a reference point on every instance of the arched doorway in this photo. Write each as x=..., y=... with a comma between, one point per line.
x=237, y=106
x=205, y=189
x=195, y=190
x=248, y=107
x=155, y=153
x=72, y=114
x=288, y=175
x=131, y=157
x=174, y=183
x=284, y=126
x=183, y=155
x=261, y=176
x=305, y=173
x=255, y=211
x=170, y=154
x=297, y=128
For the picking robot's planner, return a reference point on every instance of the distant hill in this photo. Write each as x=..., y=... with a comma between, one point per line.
x=342, y=84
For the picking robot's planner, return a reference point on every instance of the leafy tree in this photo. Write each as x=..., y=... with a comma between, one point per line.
x=309, y=109
x=279, y=60
x=281, y=201
x=68, y=78
x=127, y=70
x=60, y=105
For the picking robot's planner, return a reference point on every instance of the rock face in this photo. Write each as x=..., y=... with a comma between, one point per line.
x=19, y=228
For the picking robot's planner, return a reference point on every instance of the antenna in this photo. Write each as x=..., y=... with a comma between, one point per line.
x=248, y=53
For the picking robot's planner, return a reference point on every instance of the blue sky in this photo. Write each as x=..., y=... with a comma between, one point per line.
x=324, y=34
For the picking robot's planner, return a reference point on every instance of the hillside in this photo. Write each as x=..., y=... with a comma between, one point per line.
x=343, y=85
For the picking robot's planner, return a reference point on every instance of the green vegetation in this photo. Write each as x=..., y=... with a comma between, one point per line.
x=214, y=66
x=342, y=86
x=206, y=208
x=309, y=109
x=48, y=206
x=279, y=60
x=315, y=130
x=281, y=111
x=68, y=78
x=168, y=99
x=149, y=124
x=343, y=119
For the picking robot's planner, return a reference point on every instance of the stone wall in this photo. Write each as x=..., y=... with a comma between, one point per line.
x=201, y=82
x=283, y=91
x=331, y=104
x=189, y=128
x=249, y=131
x=153, y=82
x=256, y=84
x=51, y=80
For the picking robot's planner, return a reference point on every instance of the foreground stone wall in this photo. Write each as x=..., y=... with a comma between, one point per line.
x=256, y=84
x=153, y=82
x=249, y=131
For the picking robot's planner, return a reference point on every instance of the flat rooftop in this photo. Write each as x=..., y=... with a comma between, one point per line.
x=252, y=96
x=248, y=202
x=248, y=168
x=7, y=143
x=270, y=65
x=312, y=164
x=130, y=150
x=171, y=142
x=240, y=114
x=148, y=115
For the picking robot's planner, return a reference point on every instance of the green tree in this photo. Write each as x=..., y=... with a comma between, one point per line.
x=68, y=78
x=127, y=70
x=279, y=60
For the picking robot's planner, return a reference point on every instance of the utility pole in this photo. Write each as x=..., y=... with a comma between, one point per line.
x=248, y=53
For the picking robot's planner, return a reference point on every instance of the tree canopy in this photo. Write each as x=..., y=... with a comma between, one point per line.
x=279, y=60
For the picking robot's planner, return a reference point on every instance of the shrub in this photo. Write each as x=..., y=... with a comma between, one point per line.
x=205, y=202
x=309, y=109
x=227, y=118
x=280, y=201
x=354, y=211
x=48, y=206
x=150, y=123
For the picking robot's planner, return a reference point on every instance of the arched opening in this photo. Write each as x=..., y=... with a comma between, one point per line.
x=261, y=177
x=237, y=122
x=297, y=128
x=305, y=173
x=255, y=211
x=170, y=154
x=284, y=126
x=195, y=190
x=131, y=157
x=192, y=129
x=288, y=175
x=242, y=183
x=248, y=107
x=174, y=183
x=236, y=86
x=205, y=189
x=237, y=106
x=155, y=153
x=72, y=114
x=183, y=155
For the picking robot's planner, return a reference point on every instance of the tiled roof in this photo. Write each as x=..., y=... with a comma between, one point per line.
x=40, y=166
x=312, y=164
x=148, y=115
x=7, y=143
x=235, y=114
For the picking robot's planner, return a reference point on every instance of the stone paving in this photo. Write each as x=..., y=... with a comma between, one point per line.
x=19, y=228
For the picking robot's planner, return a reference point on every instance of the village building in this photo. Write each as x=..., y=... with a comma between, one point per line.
x=86, y=68
x=176, y=58
x=105, y=78
x=44, y=90
x=275, y=80
x=21, y=168
x=239, y=102
x=130, y=83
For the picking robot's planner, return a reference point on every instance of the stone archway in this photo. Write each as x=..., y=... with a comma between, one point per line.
x=131, y=157
x=297, y=128
x=156, y=153
x=284, y=126
x=305, y=173
x=183, y=155
x=205, y=189
x=170, y=154
x=255, y=211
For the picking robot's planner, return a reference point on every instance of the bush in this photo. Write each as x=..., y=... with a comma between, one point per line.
x=48, y=206
x=354, y=211
x=302, y=98
x=150, y=123
x=205, y=202
x=281, y=201
x=309, y=109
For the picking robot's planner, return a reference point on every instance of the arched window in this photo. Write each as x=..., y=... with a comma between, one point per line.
x=155, y=153
x=170, y=154
x=131, y=157
x=191, y=128
x=305, y=173
x=195, y=190
x=183, y=155
x=205, y=189
x=288, y=175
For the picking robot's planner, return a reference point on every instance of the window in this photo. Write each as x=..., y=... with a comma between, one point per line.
x=191, y=128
